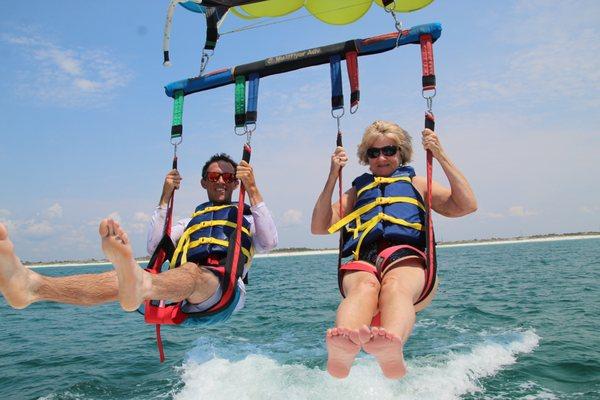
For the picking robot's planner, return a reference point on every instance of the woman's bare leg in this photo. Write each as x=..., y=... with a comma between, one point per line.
x=354, y=312
x=400, y=288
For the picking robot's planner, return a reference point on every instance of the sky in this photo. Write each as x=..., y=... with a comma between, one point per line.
x=85, y=123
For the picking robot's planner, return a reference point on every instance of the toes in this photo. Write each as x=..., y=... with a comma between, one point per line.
x=111, y=227
x=3, y=232
x=364, y=334
x=117, y=227
x=120, y=234
x=103, y=228
x=354, y=337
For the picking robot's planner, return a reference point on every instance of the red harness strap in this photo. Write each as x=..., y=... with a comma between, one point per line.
x=429, y=86
x=157, y=313
x=352, y=66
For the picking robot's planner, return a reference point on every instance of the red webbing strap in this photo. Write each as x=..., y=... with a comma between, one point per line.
x=231, y=280
x=159, y=344
x=352, y=66
x=158, y=264
x=169, y=218
x=426, y=42
x=341, y=212
x=427, y=60
x=430, y=271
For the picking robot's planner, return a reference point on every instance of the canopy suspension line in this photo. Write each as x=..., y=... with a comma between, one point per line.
x=428, y=93
x=337, y=112
x=390, y=7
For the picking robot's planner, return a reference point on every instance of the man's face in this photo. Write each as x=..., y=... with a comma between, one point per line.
x=219, y=191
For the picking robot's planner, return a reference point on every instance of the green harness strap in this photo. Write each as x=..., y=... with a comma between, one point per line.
x=177, y=125
x=240, y=101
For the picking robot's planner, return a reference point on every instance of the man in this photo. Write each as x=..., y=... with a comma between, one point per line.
x=195, y=283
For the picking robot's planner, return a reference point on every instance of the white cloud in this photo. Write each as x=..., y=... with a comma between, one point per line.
x=38, y=230
x=54, y=211
x=115, y=216
x=87, y=85
x=140, y=222
x=589, y=209
x=291, y=217
x=8, y=223
x=489, y=214
x=68, y=77
x=65, y=60
x=141, y=217
x=552, y=58
x=520, y=211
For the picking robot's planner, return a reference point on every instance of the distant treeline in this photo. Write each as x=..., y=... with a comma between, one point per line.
x=296, y=249
x=301, y=249
x=546, y=236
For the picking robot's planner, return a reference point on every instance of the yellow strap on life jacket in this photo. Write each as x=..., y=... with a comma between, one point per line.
x=209, y=240
x=214, y=222
x=378, y=180
x=379, y=201
x=370, y=224
x=367, y=228
x=211, y=209
x=184, y=242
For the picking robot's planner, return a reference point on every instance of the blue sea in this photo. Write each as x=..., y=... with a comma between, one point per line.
x=511, y=321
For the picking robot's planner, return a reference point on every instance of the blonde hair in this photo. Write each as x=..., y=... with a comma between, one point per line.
x=389, y=130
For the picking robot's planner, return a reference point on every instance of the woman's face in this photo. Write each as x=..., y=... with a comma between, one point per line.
x=383, y=165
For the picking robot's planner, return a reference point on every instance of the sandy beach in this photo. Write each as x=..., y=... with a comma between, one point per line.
x=525, y=240
x=334, y=251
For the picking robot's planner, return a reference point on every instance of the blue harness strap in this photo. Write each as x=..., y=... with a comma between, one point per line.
x=252, y=104
x=337, y=94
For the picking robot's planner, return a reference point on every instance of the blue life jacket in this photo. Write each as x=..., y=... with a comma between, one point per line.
x=208, y=233
x=387, y=209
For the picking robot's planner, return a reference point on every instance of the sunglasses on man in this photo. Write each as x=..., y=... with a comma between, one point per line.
x=228, y=177
x=388, y=151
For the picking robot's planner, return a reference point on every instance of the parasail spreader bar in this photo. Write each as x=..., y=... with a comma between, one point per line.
x=305, y=58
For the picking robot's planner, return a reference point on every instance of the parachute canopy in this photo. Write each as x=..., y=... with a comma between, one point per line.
x=336, y=12
x=329, y=11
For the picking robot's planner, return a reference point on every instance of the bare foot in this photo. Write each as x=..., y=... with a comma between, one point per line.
x=386, y=347
x=342, y=346
x=115, y=245
x=364, y=335
x=16, y=281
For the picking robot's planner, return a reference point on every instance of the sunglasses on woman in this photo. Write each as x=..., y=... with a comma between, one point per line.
x=388, y=151
x=228, y=177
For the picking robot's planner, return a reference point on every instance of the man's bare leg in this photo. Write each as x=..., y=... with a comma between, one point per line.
x=136, y=285
x=15, y=279
x=22, y=286
x=354, y=312
x=399, y=290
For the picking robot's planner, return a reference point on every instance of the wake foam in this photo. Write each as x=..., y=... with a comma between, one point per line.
x=442, y=376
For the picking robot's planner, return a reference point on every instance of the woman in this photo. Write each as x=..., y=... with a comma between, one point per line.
x=388, y=210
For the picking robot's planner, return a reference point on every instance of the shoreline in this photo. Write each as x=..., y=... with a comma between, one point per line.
x=334, y=251
x=524, y=240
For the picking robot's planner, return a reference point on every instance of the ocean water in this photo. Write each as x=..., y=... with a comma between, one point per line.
x=511, y=321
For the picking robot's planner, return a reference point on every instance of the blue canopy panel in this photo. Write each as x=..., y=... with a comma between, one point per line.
x=305, y=58
x=194, y=7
